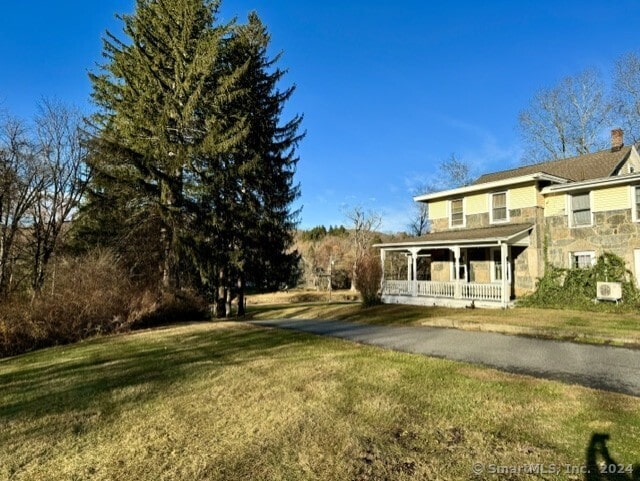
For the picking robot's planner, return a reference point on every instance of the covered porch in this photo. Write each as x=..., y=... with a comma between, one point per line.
x=461, y=268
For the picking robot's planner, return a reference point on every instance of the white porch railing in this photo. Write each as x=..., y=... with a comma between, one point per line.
x=436, y=289
x=397, y=288
x=483, y=292
x=468, y=291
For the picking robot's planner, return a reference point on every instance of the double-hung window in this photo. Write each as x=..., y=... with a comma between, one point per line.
x=580, y=210
x=457, y=213
x=499, y=212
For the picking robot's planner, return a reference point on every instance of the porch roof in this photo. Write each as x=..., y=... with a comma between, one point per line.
x=507, y=233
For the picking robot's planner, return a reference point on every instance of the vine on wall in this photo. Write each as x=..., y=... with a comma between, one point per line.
x=576, y=288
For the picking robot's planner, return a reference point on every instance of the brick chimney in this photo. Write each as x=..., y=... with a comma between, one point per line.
x=616, y=140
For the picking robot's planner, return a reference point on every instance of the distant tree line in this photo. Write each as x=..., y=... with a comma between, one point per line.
x=320, y=232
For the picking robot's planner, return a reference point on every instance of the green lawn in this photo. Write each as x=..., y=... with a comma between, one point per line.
x=621, y=328
x=227, y=401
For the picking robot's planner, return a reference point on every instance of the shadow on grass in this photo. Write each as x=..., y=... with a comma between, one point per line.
x=349, y=311
x=109, y=373
x=601, y=466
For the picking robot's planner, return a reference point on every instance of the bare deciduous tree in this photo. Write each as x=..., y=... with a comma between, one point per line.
x=419, y=223
x=59, y=143
x=363, y=225
x=627, y=94
x=42, y=178
x=22, y=178
x=567, y=119
x=454, y=172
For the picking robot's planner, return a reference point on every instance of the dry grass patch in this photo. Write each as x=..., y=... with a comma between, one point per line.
x=580, y=326
x=296, y=296
x=223, y=401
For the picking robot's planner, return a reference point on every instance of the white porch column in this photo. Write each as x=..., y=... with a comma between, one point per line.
x=456, y=272
x=409, y=264
x=414, y=277
x=506, y=284
x=382, y=260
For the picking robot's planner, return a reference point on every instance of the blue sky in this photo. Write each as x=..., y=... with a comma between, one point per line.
x=388, y=89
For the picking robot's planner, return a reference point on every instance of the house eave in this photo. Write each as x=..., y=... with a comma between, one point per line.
x=520, y=238
x=593, y=183
x=523, y=179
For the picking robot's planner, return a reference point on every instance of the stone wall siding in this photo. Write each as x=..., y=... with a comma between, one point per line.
x=612, y=231
x=525, y=269
x=440, y=271
x=439, y=225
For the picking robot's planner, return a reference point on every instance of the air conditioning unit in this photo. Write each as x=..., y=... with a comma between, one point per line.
x=609, y=291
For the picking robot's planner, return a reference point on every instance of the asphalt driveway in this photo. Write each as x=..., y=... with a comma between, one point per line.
x=602, y=367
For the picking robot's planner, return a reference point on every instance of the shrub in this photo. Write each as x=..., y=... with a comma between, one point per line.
x=368, y=277
x=576, y=288
x=17, y=332
x=84, y=296
x=156, y=309
x=87, y=296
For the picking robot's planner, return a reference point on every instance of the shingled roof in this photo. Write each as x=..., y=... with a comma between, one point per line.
x=583, y=167
x=482, y=234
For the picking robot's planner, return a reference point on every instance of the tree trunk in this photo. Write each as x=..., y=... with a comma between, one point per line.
x=166, y=263
x=354, y=274
x=169, y=199
x=241, y=311
x=229, y=302
x=221, y=299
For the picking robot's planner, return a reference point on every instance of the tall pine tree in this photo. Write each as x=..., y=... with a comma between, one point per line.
x=190, y=153
x=158, y=94
x=263, y=221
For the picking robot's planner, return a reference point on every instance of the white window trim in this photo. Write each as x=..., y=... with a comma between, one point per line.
x=492, y=265
x=635, y=215
x=591, y=254
x=506, y=200
x=464, y=216
x=569, y=210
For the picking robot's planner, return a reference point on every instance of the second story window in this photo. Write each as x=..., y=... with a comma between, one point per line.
x=580, y=210
x=457, y=213
x=499, y=212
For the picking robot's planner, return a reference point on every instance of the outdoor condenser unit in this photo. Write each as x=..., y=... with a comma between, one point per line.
x=609, y=291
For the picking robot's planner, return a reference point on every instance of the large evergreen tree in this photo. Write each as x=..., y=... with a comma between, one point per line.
x=190, y=153
x=266, y=160
x=158, y=93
